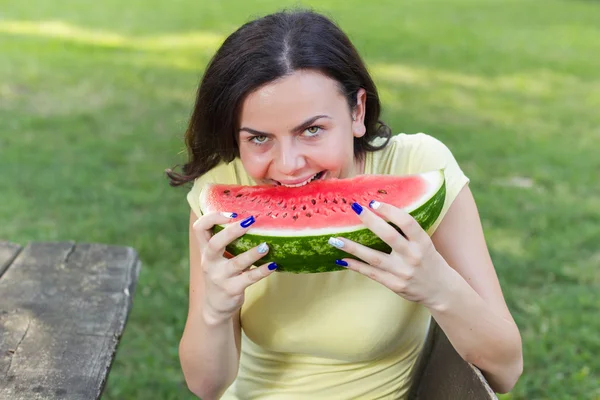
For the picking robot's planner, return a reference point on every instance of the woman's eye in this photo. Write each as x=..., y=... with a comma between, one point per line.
x=313, y=130
x=259, y=139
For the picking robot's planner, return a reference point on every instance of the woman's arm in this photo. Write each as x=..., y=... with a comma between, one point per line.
x=209, y=349
x=473, y=312
x=451, y=274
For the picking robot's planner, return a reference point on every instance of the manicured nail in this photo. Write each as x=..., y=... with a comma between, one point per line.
x=247, y=222
x=357, y=208
x=273, y=266
x=335, y=242
x=374, y=204
x=341, y=263
x=229, y=214
x=263, y=248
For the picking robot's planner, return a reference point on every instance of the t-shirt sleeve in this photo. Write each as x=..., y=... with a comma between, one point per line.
x=428, y=154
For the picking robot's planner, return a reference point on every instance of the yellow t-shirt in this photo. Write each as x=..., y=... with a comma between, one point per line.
x=334, y=335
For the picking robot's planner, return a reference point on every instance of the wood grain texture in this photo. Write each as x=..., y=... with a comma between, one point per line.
x=8, y=252
x=63, y=308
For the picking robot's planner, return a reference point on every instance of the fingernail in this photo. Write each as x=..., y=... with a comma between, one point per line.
x=357, y=208
x=247, y=222
x=273, y=266
x=335, y=242
x=341, y=263
x=374, y=204
x=229, y=214
x=263, y=248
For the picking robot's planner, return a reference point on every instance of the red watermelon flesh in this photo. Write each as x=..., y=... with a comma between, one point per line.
x=319, y=205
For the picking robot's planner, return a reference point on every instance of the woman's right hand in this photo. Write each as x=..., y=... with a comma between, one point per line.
x=226, y=279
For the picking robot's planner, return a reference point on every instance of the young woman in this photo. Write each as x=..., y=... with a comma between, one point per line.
x=287, y=100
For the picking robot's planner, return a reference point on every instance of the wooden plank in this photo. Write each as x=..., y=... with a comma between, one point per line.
x=63, y=308
x=8, y=252
x=441, y=373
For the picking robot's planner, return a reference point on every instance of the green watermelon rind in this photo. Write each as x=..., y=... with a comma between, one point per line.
x=313, y=254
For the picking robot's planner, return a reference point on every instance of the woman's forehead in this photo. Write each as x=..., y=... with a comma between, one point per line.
x=294, y=97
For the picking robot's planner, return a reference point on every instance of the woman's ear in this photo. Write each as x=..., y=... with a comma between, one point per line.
x=358, y=114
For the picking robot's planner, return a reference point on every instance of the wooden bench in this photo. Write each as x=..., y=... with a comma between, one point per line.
x=63, y=308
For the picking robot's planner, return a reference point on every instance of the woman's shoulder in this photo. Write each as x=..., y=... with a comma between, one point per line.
x=226, y=173
x=411, y=153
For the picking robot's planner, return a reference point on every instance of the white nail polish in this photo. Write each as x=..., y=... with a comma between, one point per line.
x=263, y=248
x=229, y=215
x=374, y=204
x=335, y=242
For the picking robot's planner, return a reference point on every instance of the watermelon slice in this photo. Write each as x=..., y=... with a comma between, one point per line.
x=297, y=222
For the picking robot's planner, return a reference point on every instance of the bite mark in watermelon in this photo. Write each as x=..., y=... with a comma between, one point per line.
x=297, y=222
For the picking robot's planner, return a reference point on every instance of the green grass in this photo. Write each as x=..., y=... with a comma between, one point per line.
x=94, y=99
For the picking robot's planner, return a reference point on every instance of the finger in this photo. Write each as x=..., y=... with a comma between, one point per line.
x=387, y=279
x=219, y=241
x=372, y=257
x=248, y=258
x=381, y=228
x=403, y=220
x=204, y=225
x=250, y=277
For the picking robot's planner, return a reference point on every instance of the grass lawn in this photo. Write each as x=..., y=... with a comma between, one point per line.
x=95, y=96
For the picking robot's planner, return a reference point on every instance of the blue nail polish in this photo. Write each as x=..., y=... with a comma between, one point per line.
x=233, y=215
x=357, y=208
x=247, y=222
x=341, y=263
x=273, y=266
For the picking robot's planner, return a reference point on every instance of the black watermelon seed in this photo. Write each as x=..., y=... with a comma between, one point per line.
x=293, y=207
x=381, y=191
x=313, y=201
x=284, y=215
x=308, y=214
x=227, y=191
x=295, y=217
x=344, y=200
x=325, y=201
x=239, y=195
x=335, y=201
x=304, y=208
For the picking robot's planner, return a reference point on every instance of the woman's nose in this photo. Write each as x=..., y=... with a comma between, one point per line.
x=290, y=159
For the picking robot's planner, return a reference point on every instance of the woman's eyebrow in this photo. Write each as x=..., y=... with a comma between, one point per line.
x=302, y=126
x=308, y=122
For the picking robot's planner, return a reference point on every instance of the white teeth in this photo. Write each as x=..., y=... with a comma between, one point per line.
x=301, y=183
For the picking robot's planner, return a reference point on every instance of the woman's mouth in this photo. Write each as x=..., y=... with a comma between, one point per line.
x=316, y=176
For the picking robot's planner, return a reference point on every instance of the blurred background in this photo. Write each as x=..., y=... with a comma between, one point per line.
x=95, y=97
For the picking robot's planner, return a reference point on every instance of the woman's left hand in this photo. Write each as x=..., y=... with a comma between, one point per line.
x=413, y=269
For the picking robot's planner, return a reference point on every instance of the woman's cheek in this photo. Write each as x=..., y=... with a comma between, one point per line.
x=256, y=164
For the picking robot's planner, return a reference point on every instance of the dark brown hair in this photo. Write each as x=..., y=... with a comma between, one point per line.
x=257, y=53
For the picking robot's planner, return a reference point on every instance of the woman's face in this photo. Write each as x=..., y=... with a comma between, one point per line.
x=297, y=127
